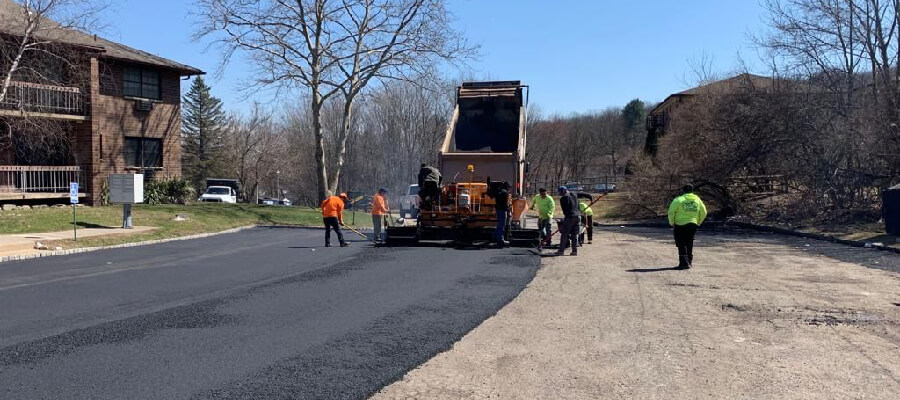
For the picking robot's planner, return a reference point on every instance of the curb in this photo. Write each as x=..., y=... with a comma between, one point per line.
x=762, y=228
x=816, y=236
x=119, y=246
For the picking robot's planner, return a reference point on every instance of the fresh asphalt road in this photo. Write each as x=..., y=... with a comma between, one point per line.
x=253, y=315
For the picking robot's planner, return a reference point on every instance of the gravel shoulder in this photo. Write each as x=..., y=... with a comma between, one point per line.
x=761, y=316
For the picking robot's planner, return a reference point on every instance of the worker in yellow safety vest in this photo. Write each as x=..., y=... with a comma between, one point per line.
x=546, y=206
x=686, y=214
x=587, y=220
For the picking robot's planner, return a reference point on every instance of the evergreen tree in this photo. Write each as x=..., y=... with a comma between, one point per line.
x=633, y=115
x=202, y=132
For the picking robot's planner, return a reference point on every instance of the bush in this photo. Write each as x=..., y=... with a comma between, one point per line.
x=169, y=191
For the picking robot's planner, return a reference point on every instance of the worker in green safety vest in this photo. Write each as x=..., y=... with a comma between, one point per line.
x=686, y=213
x=546, y=206
x=587, y=220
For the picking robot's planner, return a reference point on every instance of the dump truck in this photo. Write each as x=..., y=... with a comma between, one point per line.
x=483, y=149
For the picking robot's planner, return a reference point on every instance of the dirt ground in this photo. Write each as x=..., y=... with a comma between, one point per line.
x=760, y=316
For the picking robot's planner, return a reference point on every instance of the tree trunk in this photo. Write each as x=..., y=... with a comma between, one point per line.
x=321, y=171
x=7, y=80
x=342, y=145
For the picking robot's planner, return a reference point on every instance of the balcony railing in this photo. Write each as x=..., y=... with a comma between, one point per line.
x=34, y=180
x=40, y=98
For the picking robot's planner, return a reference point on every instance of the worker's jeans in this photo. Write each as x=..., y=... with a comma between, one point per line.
x=377, y=225
x=499, y=233
x=430, y=193
x=545, y=228
x=684, y=239
x=588, y=222
x=332, y=223
x=568, y=231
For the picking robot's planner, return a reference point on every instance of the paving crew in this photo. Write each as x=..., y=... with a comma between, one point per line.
x=333, y=217
x=429, y=185
x=686, y=213
x=587, y=220
x=380, y=212
x=546, y=206
x=568, y=227
x=501, y=198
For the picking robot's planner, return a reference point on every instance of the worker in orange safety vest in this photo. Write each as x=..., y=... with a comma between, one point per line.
x=333, y=217
x=380, y=211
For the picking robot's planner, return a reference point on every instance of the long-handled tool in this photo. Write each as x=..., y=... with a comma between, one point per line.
x=360, y=234
x=547, y=239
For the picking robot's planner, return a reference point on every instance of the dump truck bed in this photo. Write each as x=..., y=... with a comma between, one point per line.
x=487, y=131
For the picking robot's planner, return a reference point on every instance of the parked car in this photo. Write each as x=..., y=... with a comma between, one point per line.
x=605, y=187
x=269, y=201
x=574, y=187
x=219, y=194
x=409, y=203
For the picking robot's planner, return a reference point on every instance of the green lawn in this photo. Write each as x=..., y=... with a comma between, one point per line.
x=201, y=218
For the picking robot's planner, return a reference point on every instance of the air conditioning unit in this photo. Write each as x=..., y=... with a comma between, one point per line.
x=143, y=105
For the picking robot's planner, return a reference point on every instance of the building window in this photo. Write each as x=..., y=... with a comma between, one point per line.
x=143, y=83
x=143, y=152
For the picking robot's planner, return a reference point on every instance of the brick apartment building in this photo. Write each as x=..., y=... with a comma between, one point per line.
x=118, y=107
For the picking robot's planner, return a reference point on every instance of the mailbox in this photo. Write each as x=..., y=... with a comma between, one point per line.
x=126, y=188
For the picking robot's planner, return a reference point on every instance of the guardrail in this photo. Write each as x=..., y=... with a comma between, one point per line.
x=36, y=97
x=15, y=179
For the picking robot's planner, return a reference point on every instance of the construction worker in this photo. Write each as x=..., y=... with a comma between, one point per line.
x=587, y=220
x=546, y=206
x=429, y=185
x=686, y=213
x=333, y=217
x=568, y=227
x=501, y=197
x=380, y=211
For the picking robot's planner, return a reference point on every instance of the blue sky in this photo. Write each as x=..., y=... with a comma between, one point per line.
x=577, y=55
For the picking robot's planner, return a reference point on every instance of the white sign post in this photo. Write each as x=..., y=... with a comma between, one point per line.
x=73, y=199
x=126, y=189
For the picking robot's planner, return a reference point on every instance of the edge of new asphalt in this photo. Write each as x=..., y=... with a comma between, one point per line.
x=54, y=253
x=759, y=228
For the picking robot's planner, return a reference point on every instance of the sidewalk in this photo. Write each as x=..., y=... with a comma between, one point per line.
x=22, y=244
x=758, y=317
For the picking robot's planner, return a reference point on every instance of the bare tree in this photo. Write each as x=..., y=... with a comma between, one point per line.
x=36, y=49
x=332, y=47
x=254, y=146
x=39, y=28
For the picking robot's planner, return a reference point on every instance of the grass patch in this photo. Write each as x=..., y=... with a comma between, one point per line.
x=872, y=232
x=610, y=206
x=201, y=218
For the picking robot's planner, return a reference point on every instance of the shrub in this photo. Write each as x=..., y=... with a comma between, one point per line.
x=169, y=191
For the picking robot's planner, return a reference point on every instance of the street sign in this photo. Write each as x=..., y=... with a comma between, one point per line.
x=73, y=199
x=73, y=192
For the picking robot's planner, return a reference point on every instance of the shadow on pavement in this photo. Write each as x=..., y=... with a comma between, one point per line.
x=766, y=246
x=660, y=269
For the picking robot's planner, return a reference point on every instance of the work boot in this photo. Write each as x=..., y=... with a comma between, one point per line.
x=345, y=244
x=574, y=253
